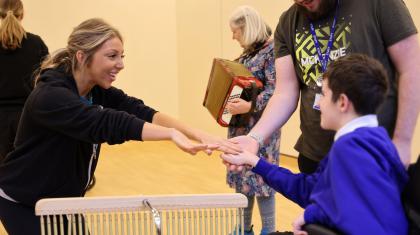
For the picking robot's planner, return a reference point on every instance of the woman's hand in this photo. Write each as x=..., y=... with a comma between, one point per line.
x=238, y=106
x=186, y=144
x=218, y=143
x=212, y=142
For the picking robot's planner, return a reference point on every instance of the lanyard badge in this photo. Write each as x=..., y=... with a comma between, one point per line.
x=323, y=59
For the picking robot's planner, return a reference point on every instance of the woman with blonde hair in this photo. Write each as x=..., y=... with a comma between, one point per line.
x=253, y=35
x=71, y=111
x=21, y=54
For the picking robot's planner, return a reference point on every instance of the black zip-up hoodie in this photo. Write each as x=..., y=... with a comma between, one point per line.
x=54, y=142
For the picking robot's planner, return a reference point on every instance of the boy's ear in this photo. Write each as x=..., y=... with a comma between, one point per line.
x=344, y=103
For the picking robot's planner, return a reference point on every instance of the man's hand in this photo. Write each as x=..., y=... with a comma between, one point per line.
x=246, y=143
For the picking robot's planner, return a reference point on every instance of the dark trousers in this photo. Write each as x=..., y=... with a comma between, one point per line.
x=8, y=126
x=18, y=219
x=307, y=165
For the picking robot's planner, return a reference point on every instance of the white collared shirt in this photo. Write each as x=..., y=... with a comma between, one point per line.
x=370, y=120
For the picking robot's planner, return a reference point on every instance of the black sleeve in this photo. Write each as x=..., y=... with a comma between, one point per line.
x=61, y=110
x=280, y=40
x=395, y=21
x=116, y=99
x=42, y=51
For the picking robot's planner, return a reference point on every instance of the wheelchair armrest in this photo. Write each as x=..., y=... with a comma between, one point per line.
x=316, y=229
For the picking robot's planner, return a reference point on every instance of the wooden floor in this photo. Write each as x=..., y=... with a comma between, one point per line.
x=160, y=168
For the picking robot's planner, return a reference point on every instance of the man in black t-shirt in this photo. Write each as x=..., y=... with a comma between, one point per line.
x=312, y=33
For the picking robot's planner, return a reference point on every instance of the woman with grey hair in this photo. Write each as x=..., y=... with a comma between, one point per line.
x=253, y=35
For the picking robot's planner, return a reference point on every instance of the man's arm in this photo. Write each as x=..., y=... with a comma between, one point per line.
x=280, y=106
x=405, y=55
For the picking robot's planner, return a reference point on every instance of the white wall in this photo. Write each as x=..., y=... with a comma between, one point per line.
x=149, y=31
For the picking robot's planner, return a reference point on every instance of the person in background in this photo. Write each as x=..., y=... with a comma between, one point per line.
x=357, y=186
x=72, y=110
x=21, y=53
x=253, y=35
x=311, y=34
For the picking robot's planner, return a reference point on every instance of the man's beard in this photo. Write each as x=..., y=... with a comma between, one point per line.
x=325, y=7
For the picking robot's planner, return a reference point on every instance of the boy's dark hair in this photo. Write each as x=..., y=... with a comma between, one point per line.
x=361, y=78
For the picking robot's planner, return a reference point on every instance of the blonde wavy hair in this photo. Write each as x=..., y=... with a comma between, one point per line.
x=87, y=37
x=249, y=21
x=11, y=30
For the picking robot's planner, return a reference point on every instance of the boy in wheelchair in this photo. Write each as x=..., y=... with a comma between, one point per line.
x=357, y=186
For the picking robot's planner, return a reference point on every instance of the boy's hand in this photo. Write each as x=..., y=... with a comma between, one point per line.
x=297, y=226
x=233, y=168
x=236, y=162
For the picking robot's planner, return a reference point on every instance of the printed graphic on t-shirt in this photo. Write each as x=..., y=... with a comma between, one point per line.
x=306, y=53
